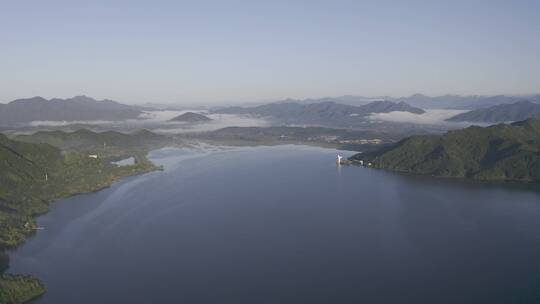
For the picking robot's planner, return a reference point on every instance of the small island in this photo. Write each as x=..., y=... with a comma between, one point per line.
x=191, y=117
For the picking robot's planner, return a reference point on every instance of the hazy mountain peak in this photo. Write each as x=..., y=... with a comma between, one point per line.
x=519, y=110
x=191, y=117
x=32, y=99
x=82, y=98
x=418, y=95
x=322, y=113
x=77, y=108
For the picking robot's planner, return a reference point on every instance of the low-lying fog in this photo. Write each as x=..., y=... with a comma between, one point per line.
x=430, y=117
x=159, y=121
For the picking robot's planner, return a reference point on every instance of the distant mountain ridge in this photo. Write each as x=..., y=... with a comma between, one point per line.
x=501, y=113
x=459, y=102
x=324, y=113
x=500, y=152
x=78, y=108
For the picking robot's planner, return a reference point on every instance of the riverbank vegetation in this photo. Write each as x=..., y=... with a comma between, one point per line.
x=19, y=288
x=49, y=166
x=503, y=152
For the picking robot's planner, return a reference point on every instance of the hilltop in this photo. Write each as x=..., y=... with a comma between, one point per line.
x=501, y=152
x=191, y=117
x=78, y=108
x=501, y=113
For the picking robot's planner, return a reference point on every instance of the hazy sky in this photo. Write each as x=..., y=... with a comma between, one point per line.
x=215, y=51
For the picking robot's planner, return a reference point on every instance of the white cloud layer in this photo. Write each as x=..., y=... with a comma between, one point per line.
x=430, y=117
x=158, y=121
x=219, y=121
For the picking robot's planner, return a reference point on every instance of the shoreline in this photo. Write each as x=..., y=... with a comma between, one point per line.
x=23, y=288
x=494, y=181
x=97, y=189
x=529, y=185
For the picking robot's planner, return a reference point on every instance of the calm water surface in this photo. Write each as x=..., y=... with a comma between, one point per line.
x=285, y=225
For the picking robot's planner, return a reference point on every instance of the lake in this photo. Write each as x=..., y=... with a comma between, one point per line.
x=286, y=225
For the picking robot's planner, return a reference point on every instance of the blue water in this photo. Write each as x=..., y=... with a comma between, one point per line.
x=286, y=225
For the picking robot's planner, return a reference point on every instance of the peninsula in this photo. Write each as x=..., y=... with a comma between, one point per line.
x=503, y=152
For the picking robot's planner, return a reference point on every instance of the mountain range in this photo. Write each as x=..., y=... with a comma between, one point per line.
x=459, y=102
x=342, y=111
x=500, y=113
x=78, y=108
x=325, y=113
x=509, y=152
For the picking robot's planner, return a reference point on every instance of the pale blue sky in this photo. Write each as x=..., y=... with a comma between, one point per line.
x=216, y=51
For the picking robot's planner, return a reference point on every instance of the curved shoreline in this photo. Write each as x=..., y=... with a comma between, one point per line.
x=22, y=288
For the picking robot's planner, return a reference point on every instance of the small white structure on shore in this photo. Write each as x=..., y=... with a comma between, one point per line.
x=27, y=226
x=92, y=156
x=338, y=160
